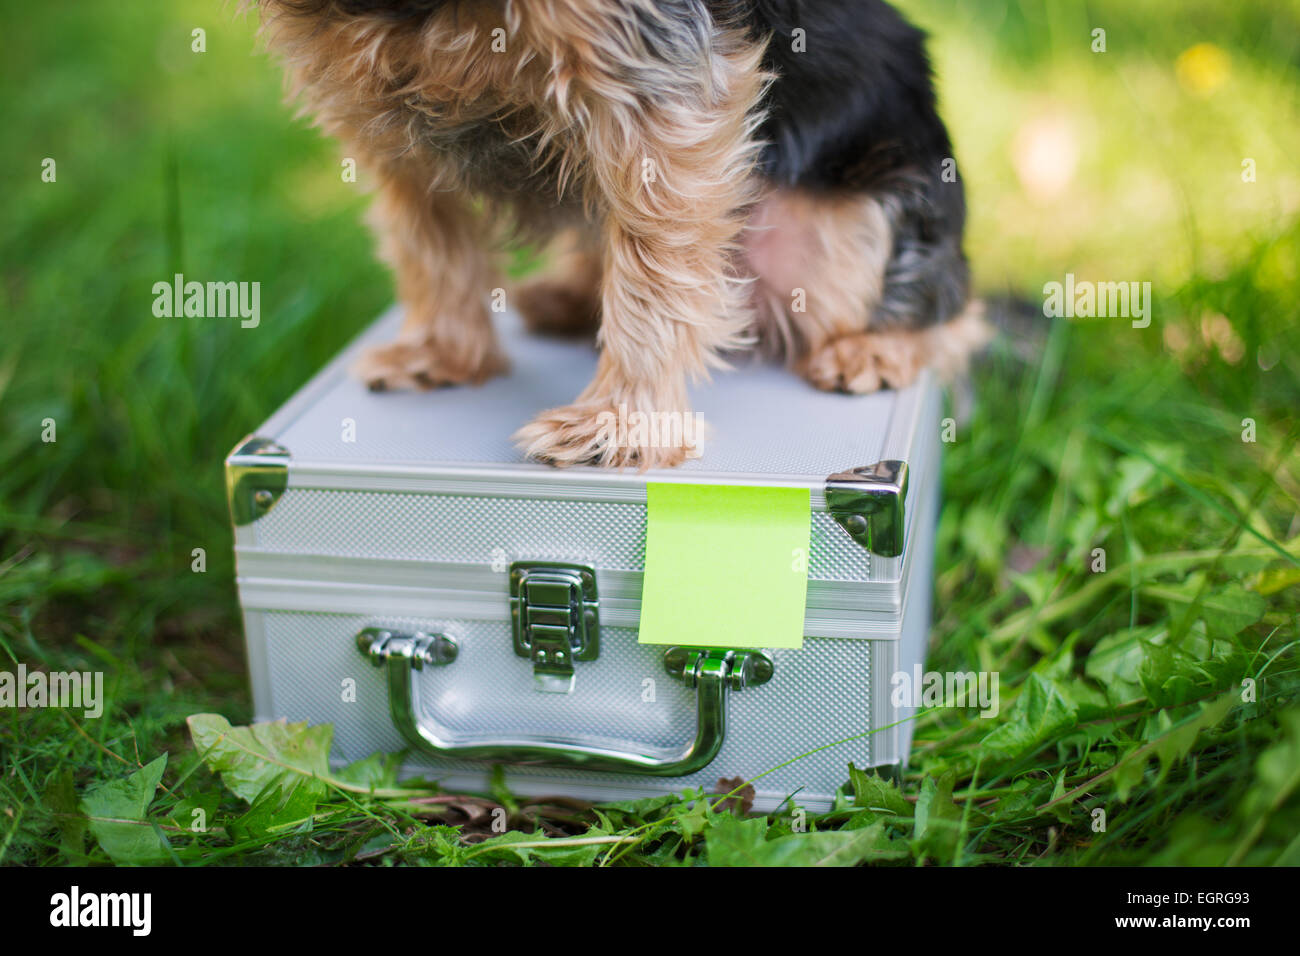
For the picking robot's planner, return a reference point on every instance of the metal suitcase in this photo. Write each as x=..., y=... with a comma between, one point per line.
x=404, y=531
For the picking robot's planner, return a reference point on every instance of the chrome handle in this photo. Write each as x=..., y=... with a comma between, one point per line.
x=711, y=671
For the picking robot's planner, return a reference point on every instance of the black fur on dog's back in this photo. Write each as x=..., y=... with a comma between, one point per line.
x=856, y=103
x=856, y=111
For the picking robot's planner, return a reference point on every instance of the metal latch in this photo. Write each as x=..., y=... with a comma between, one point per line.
x=554, y=619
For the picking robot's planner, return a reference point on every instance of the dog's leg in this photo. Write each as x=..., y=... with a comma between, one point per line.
x=565, y=299
x=820, y=267
x=841, y=294
x=439, y=255
x=669, y=151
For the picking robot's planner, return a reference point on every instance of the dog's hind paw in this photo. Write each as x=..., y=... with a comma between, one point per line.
x=865, y=362
x=421, y=365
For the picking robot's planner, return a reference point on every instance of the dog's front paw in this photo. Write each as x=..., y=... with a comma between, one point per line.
x=421, y=365
x=865, y=362
x=599, y=434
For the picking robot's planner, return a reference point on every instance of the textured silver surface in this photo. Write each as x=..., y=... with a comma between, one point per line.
x=819, y=695
x=762, y=419
x=465, y=528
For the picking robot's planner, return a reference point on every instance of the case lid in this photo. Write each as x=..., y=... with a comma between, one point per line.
x=766, y=426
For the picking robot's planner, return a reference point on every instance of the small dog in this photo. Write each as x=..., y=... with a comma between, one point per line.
x=714, y=173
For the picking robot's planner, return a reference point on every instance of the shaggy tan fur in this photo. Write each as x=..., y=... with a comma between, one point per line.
x=436, y=249
x=647, y=159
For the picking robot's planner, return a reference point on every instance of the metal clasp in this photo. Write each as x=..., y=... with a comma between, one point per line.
x=554, y=616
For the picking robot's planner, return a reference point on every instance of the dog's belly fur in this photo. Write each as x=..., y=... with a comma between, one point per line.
x=488, y=159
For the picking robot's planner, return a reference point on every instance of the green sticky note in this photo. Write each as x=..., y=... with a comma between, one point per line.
x=725, y=566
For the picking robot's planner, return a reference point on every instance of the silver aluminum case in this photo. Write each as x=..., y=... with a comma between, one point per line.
x=404, y=510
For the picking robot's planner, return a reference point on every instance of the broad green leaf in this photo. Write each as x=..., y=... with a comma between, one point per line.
x=1248, y=558
x=1040, y=713
x=644, y=808
x=1091, y=703
x=1101, y=759
x=117, y=811
x=1081, y=531
x=1165, y=677
x=1114, y=663
x=875, y=793
x=1037, y=585
x=503, y=845
x=1145, y=662
x=938, y=818
x=1226, y=610
x=287, y=762
x=1130, y=770
x=530, y=848
x=1175, y=745
x=1015, y=805
x=735, y=842
x=196, y=812
x=377, y=772
x=1171, y=745
x=574, y=854
x=691, y=820
x=278, y=809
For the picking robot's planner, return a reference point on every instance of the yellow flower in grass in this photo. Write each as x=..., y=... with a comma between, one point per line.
x=1203, y=68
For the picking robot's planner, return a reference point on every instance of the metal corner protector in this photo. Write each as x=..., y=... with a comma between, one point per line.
x=257, y=472
x=868, y=503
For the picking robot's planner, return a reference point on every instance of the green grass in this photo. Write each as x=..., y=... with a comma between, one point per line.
x=1122, y=690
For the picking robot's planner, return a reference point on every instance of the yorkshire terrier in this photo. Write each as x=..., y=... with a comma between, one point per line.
x=715, y=173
